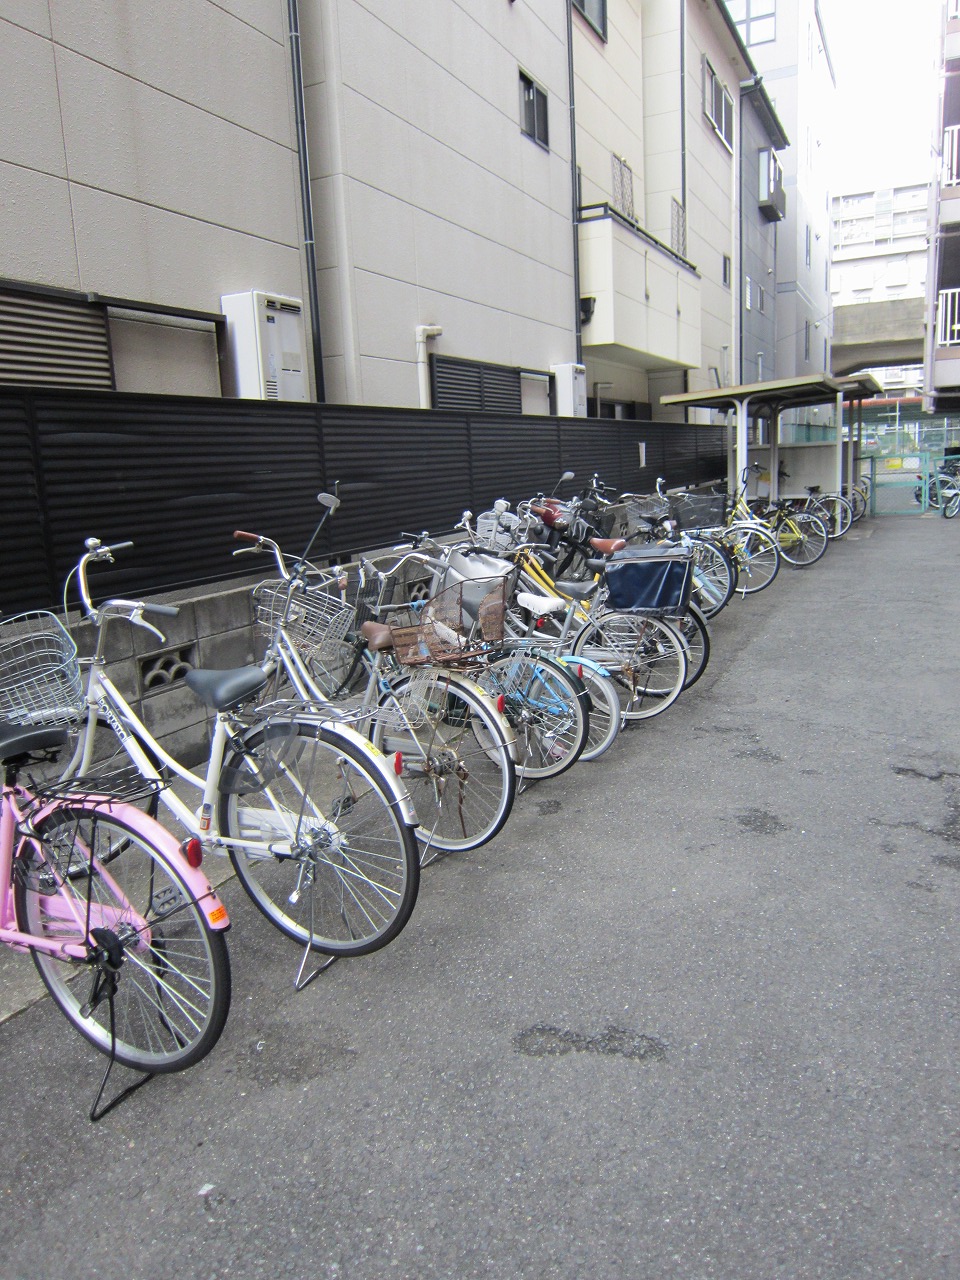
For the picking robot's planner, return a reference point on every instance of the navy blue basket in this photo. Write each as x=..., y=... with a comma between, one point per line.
x=650, y=580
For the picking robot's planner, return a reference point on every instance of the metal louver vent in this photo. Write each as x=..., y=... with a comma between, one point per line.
x=53, y=342
x=470, y=385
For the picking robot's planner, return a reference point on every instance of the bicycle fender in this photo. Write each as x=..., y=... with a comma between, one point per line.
x=153, y=833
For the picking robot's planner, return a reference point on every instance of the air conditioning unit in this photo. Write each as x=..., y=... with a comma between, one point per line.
x=569, y=390
x=266, y=348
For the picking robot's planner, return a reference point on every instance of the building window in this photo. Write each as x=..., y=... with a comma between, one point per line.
x=595, y=12
x=748, y=294
x=533, y=111
x=755, y=19
x=726, y=269
x=807, y=245
x=806, y=339
x=761, y=298
x=622, y=187
x=717, y=105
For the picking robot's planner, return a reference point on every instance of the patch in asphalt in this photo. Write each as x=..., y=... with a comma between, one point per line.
x=761, y=822
x=542, y=1041
x=545, y=807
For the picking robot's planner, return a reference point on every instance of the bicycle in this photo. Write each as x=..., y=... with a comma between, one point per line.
x=123, y=927
x=801, y=535
x=314, y=820
x=449, y=742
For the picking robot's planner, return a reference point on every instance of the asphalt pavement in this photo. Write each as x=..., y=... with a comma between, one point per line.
x=692, y=1014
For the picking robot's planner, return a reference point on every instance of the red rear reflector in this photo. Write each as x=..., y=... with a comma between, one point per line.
x=398, y=763
x=501, y=702
x=580, y=671
x=192, y=850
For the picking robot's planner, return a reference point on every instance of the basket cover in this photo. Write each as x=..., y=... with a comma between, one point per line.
x=699, y=510
x=644, y=579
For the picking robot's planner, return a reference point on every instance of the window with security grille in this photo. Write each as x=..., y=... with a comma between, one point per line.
x=622, y=187
x=533, y=111
x=678, y=227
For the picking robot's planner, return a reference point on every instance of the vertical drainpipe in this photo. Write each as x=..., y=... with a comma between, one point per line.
x=306, y=199
x=574, y=188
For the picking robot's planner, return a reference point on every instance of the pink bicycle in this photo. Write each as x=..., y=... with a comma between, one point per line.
x=123, y=926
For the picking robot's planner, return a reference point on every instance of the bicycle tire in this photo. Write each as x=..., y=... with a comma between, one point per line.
x=696, y=636
x=802, y=539
x=715, y=575
x=646, y=657
x=950, y=500
x=836, y=513
x=758, y=558
x=348, y=877
x=173, y=991
x=547, y=706
x=605, y=714
x=449, y=740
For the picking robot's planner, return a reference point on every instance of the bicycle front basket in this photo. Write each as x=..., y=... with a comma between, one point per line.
x=699, y=510
x=452, y=627
x=40, y=680
x=650, y=580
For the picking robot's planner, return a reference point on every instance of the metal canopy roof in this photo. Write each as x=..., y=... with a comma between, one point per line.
x=767, y=399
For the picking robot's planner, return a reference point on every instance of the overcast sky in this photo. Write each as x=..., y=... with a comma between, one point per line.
x=884, y=54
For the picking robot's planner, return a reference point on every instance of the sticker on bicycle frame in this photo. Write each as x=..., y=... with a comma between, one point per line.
x=217, y=914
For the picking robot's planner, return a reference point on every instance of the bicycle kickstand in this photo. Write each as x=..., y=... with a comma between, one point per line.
x=108, y=957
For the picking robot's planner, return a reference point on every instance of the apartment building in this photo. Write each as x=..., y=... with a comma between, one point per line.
x=942, y=344
x=787, y=42
x=878, y=282
x=521, y=204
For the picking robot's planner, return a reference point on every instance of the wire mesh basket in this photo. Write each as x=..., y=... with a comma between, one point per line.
x=498, y=531
x=40, y=681
x=315, y=621
x=699, y=510
x=450, y=629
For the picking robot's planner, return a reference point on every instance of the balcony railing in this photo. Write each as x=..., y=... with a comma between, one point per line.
x=948, y=318
x=950, y=174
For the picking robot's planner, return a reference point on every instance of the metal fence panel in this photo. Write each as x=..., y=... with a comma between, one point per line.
x=177, y=475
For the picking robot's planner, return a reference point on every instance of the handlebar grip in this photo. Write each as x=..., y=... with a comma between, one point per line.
x=242, y=536
x=162, y=610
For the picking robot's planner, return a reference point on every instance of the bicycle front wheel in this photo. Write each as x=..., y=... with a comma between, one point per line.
x=696, y=637
x=547, y=706
x=606, y=716
x=802, y=539
x=714, y=575
x=455, y=753
x=173, y=985
x=758, y=558
x=645, y=656
x=338, y=865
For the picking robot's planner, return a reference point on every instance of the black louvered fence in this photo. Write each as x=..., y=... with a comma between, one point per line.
x=176, y=476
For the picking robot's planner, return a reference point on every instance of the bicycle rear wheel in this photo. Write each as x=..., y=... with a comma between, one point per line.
x=547, y=706
x=646, y=657
x=173, y=985
x=456, y=756
x=347, y=870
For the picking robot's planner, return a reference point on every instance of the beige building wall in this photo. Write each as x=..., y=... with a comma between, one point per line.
x=147, y=153
x=432, y=207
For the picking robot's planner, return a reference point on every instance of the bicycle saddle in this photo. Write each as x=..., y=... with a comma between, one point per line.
x=222, y=690
x=19, y=739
